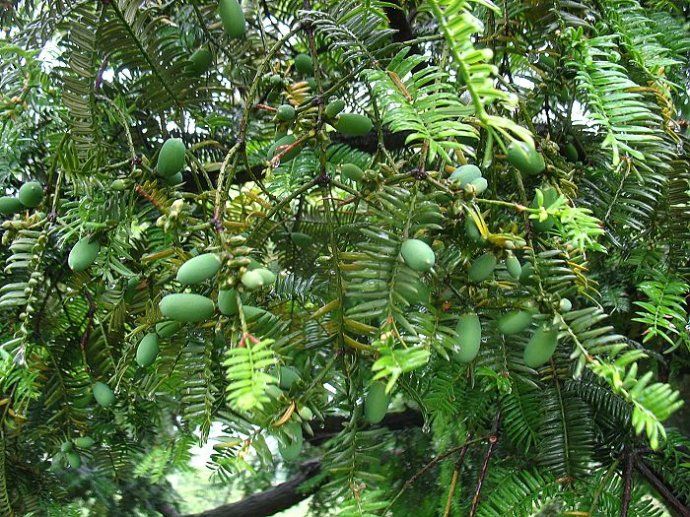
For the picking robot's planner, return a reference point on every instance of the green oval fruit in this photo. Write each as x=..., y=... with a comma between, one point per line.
x=275, y=80
x=84, y=442
x=230, y=12
x=469, y=330
x=334, y=108
x=118, y=185
x=31, y=194
x=252, y=280
x=268, y=276
x=482, y=267
x=147, y=351
x=305, y=413
x=73, y=459
x=570, y=152
x=66, y=446
x=291, y=446
x=525, y=158
x=288, y=376
x=514, y=322
x=166, y=329
x=304, y=64
x=550, y=197
x=227, y=302
x=171, y=157
x=479, y=185
x=186, y=307
x=83, y=254
x=351, y=172
x=465, y=174
x=541, y=347
x=354, y=124
x=527, y=272
x=513, y=266
x=280, y=146
x=252, y=313
x=565, y=305
x=200, y=61
x=198, y=269
x=173, y=180
x=103, y=394
x=301, y=239
x=376, y=403
x=286, y=113
x=9, y=205
x=471, y=230
x=417, y=255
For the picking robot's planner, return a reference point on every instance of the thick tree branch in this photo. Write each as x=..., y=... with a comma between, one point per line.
x=332, y=425
x=664, y=491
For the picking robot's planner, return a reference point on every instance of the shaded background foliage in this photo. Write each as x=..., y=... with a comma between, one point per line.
x=90, y=90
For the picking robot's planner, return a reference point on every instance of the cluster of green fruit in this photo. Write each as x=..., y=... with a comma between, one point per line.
x=68, y=456
x=30, y=195
x=469, y=177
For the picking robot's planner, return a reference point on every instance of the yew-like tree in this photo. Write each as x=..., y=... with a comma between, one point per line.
x=422, y=257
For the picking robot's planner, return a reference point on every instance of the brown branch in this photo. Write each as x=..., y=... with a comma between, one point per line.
x=493, y=440
x=332, y=425
x=664, y=491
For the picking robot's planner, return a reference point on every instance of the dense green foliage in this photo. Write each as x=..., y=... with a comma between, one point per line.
x=440, y=247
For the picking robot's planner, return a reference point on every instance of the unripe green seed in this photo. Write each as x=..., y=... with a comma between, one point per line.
x=30, y=194
x=479, y=185
x=84, y=442
x=73, y=459
x=304, y=64
x=376, y=403
x=227, y=302
x=9, y=205
x=171, y=157
x=514, y=322
x=513, y=266
x=166, y=329
x=147, y=351
x=482, y=268
x=571, y=153
x=268, y=276
x=103, y=394
x=352, y=172
x=354, y=124
x=565, y=305
x=550, y=195
x=230, y=12
x=83, y=254
x=541, y=347
x=198, y=269
x=525, y=158
x=280, y=146
x=173, y=180
x=66, y=446
x=118, y=185
x=465, y=174
x=469, y=330
x=471, y=230
x=334, y=108
x=418, y=255
x=285, y=113
x=200, y=61
x=252, y=280
x=186, y=307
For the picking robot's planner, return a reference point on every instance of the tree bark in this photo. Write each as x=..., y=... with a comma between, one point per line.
x=275, y=499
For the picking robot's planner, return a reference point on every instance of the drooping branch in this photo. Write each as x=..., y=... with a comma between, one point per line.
x=664, y=491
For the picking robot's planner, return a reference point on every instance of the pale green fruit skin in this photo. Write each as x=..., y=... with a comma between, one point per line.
x=10, y=205
x=173, y=180
x=171, y=157
x=334, y=108
x=230, y=12
x=252, y=313
x=376, y=403
x=541, y=347
x=514, y=322
x=525, y=158
x=570, y=152
x=352, y=172
x=471, y=230
x=166, y=329
x=418, y=255
x=284, y=141
x=103, y=394
x=73, y=459
x=482, y=267
x=84, y=442
x=147, y=351
x=186, y=307
x=304, y=64
x=465, y=174
x=198, y=269
x=550, y=197
x=252, y=280
x=118, y=185
x=291, y=447
x=285, y=113
x=565, y=305
x=480, y=185
x=288, y=377
x=513, y=266
x=83, y=254
x=30, y=194
x=268, y=276
x=227, y=302
x=200, y=61
x=469, y=330
x=301, y=239
x=354, y=124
